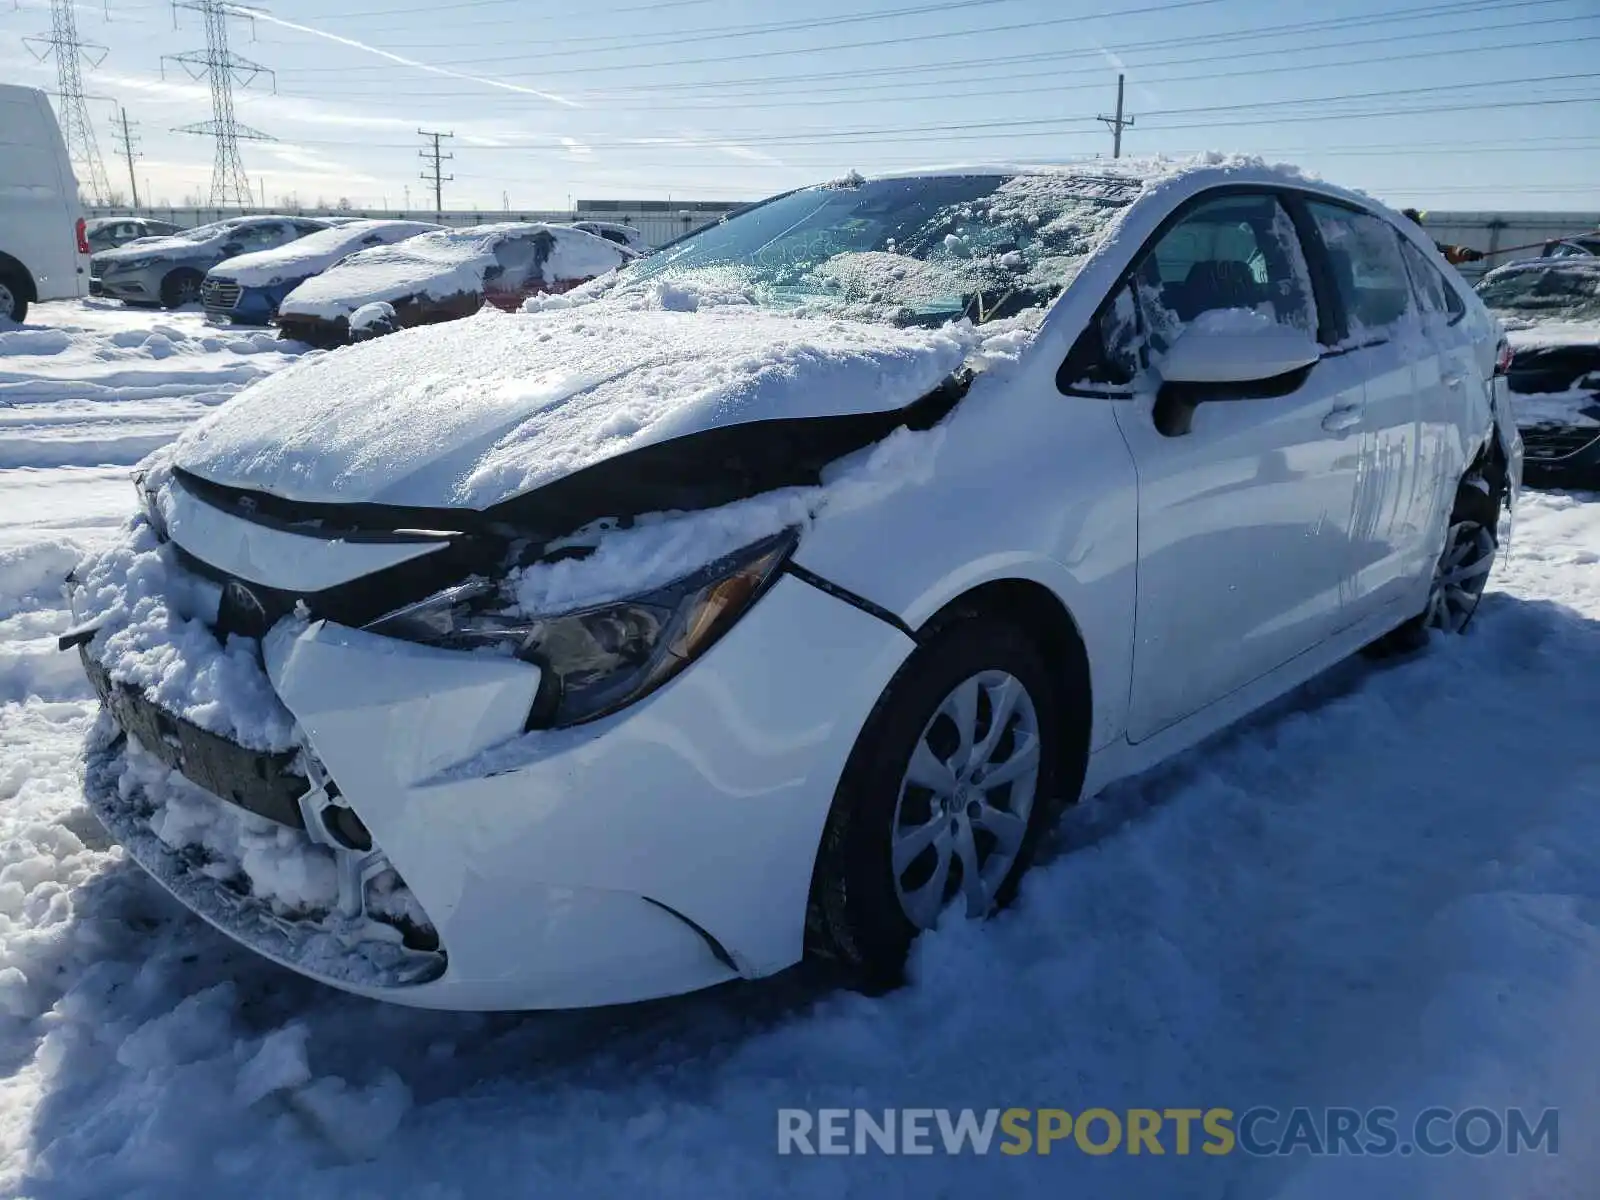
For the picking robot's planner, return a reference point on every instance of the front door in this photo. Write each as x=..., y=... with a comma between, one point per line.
x=1244, y=520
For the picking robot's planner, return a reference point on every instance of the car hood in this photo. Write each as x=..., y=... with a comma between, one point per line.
x=469, y=414
x=1526, y=334
x=152, y=247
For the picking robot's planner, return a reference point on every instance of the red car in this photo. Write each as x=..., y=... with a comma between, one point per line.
x=443, y=275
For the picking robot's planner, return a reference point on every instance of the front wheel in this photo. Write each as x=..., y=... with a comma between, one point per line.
x=13, y=300
x=180, y=287
x=952, y=782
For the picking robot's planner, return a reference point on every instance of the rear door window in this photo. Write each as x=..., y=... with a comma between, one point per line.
x=1368, y=271
x=1436, y=299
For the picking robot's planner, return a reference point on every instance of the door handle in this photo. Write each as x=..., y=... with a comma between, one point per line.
x=1341, y=419
x=1454, y=379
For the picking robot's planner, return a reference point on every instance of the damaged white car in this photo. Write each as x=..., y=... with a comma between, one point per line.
x=773, y=596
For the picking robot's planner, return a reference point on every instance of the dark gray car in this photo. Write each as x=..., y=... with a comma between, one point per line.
x=107, y=233
x=167, y=271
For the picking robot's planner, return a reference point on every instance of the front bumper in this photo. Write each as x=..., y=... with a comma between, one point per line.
x=134, y=285
x=226, y=301
x=666, y=848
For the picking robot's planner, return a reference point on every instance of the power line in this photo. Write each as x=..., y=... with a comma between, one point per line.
x=793, y=51
x=126, y=128
x=852, y=94
x=70, y=52
x=438, y=159
x=222, y=68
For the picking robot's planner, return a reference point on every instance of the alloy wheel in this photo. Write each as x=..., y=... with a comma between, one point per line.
x=965, y=798
x=1460, y=576
x=8, y=300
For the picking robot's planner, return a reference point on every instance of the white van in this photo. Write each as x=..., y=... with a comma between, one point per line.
x=44, y=254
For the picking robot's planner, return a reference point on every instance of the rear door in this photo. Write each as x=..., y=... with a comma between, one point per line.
x=1402, y=372
x=1244, y=518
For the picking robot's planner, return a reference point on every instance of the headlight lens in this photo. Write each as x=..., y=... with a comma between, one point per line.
x=599, y=659
x=132, y=264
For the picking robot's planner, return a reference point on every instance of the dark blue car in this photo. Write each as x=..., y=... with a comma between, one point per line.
x=247, y=290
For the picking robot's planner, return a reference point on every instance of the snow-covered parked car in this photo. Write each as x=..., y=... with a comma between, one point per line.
x=247, y=290
x=441, y=276
x=1551, y=310
x=168, y=271
x=775, y=595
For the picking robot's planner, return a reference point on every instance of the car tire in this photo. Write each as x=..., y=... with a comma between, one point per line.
x=180, y=287
x=13, y=297
x=1461, y=573
x=861, y=910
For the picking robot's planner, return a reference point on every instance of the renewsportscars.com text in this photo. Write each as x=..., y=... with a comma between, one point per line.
x=1259, y=1131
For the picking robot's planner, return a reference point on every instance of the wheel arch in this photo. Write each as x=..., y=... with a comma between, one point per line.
x=13, y=266
x=1045, y=618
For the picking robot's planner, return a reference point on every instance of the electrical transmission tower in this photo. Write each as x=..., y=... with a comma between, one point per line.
x=125, y=130
x=70, y=53
x=433, y=174
x=224, y=68
x=1117, y=123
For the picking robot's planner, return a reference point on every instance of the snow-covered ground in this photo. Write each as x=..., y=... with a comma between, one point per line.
x=1386, y=891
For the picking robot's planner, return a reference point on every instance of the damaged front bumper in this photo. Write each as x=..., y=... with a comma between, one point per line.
x=660, y=850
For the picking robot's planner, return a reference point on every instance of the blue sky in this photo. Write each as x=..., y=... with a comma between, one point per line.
x=1453, y=104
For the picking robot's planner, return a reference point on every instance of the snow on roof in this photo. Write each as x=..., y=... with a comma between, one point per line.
x=315, y=252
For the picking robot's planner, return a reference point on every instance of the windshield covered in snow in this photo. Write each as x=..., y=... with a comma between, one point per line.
x=1570, y=289
x=912, y=251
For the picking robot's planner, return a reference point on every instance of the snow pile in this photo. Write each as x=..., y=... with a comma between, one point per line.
x=475, y=411
x=108, y=385
x=314, y=253
x=153, y=636
x=445, y=263
x=275, y=864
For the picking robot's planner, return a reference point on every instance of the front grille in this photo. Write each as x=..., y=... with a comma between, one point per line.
x=254, y=780
x=1556, y=441
x=219, y=293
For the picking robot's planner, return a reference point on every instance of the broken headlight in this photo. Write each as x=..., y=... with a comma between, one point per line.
x=596, y=660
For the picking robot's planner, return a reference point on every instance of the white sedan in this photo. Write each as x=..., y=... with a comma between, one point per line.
x=772, y=597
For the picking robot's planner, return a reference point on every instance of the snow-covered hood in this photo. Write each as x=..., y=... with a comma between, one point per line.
x=151, y=247
x=471, y=413
x=313, y=254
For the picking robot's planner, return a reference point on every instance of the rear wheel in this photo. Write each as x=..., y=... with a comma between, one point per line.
x=180, y=287
x=13, y=297
x=1462, y=571
x=952, y=782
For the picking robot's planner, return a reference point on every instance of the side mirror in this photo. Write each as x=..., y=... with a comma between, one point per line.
x=1230, y=354
x=232, y=248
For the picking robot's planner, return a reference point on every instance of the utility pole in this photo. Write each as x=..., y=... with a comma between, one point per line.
x=125, y=128
x=434, y=173
x=62, y=42
x=1117, y=123
x=223, y=68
